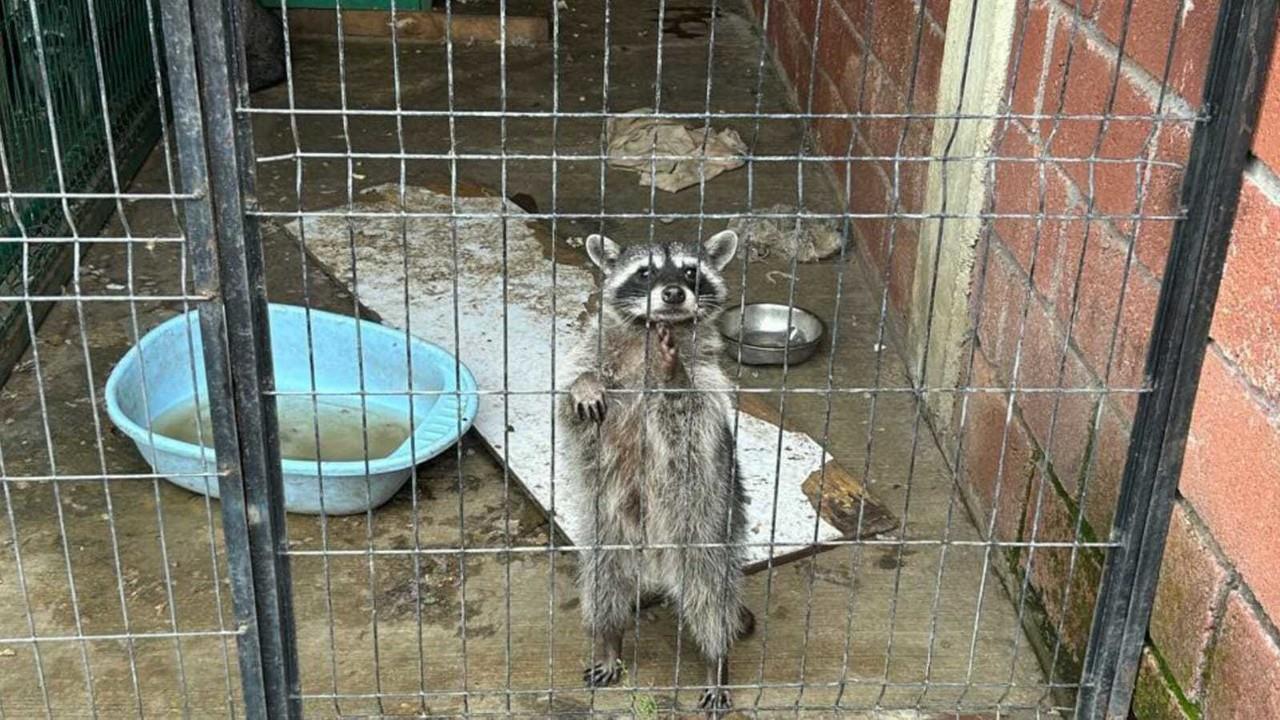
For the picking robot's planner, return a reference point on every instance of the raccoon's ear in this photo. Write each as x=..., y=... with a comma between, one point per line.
x=603, y=252
x=719, y=248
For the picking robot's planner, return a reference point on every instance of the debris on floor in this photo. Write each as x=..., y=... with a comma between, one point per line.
x=668, y=154
x=787, y=236
x=508, y=344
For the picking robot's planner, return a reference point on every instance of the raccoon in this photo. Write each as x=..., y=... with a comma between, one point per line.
x=659, y=467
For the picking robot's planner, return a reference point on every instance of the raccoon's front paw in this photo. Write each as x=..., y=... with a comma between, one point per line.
x=667, y=354
x=716, y=702
x=587, y=395
x=603, y=674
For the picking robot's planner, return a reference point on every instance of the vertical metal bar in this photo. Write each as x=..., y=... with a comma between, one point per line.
x=118, y=188
x=553, y=395
x=1210, y=190
x=408, y=353
x=456, y=261
x=158, y=63
x=605, y=43
x=227, y=261
x=305, y=278
x=506, y=343
x=895, y=210
x=340, y=35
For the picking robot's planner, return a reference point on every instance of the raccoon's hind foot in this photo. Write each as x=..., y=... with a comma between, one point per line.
x=603, y=674
x=715, y=699
x=587, y=395
x=668, y=357
x=716, y=702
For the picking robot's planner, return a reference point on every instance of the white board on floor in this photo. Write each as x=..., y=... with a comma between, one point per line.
x=506, y=336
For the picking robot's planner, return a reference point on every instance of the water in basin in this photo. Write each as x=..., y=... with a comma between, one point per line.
x=338, y=421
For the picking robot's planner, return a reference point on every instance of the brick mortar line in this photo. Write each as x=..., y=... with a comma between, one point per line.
x=1189, y=707
x=1235, y=582
x=858, y=35
x=1265, y=178
x=1035, y=623
x=862, y=142
x=1217, y=604
x=1270, y=409
x=1046, y=60
x=1075, y=194
x=1058, y=324
x=1218, y=610
x=1147, y=85
x=869, y=269
x=1078, y=197
x=1143, y=79
x=1131, y=70
x=821, y=74
x=1088, y=532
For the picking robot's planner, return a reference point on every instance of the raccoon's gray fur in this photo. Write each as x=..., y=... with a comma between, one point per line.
x=659, y=468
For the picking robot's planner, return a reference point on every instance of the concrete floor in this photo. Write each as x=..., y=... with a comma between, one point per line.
x=882, y=618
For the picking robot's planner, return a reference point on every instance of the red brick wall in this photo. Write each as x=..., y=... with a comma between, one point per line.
x=1213, y=644
x=1061, y=302
x=864, y=59
x=1223, y=568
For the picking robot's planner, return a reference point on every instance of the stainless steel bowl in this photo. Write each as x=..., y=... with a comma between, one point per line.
x=765, y=337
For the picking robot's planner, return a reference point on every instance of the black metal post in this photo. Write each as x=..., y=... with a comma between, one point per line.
x=205, y=77
x=1210, y=189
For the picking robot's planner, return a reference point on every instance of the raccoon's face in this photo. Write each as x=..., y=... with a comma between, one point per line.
x=671, y=283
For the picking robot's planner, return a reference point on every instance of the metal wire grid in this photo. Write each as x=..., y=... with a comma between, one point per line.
x=453, y=156
x=472, y=699
x=72, y=78
x=88, y=647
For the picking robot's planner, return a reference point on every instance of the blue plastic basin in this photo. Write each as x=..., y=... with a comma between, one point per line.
x=166, y=356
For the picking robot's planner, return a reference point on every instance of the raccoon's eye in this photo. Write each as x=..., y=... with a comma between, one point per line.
x=691, y=274
x=644, y=273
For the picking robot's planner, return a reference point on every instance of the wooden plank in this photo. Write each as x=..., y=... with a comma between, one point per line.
x=842, y=500
x=425, y=26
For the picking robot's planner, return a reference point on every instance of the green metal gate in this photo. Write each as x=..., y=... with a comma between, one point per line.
x=128, y=79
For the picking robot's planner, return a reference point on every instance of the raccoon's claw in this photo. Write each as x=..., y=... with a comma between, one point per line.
x=603, y=674
x=588, y=399
x=590, y=410
x=715, y=702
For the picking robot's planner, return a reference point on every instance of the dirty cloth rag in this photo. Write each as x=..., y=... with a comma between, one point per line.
x=785, y=235
x=669, y=155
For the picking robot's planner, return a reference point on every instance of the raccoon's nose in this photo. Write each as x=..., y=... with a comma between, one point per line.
x=673, y=295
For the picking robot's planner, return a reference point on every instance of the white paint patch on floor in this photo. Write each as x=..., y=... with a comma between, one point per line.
x=512, y=351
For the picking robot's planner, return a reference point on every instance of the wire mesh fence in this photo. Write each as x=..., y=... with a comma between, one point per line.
x=376, y=289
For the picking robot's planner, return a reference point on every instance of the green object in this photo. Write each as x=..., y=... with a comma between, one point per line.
x=129, y=82
x=351, y=4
